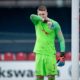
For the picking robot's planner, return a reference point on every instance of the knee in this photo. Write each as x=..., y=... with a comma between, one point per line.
x=51, y=76
x=40, y=77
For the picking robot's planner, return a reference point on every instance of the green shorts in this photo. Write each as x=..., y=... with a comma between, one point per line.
x=45, y=65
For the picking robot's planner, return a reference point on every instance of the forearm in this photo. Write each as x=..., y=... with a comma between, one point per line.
x=62, y=45
x=35, y=18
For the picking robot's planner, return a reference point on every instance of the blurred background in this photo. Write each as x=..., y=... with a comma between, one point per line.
x=17, y=33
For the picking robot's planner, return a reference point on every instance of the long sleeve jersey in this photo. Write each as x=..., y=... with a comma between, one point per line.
x=46, y=36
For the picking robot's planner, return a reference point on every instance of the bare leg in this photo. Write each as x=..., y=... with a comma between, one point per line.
x=51, y=77
x=40, y=78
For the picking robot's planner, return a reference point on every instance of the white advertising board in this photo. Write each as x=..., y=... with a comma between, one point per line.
x=25, y=70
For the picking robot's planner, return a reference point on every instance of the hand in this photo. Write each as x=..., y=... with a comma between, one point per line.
x=48, y=22
x=61, y=60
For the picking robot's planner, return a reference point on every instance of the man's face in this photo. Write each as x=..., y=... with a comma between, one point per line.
x=43, y=14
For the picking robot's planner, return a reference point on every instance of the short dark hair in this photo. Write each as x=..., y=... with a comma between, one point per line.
x=42, y=8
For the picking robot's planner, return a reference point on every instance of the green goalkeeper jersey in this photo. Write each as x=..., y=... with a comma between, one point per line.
x=46, y=35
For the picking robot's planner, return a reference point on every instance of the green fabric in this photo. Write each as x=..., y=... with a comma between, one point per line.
x=34, y=18
x=45, y=65
x=45, y=36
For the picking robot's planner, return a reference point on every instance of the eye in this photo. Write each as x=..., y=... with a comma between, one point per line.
x=43, y=14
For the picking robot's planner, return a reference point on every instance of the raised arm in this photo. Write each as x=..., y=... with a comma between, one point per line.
x=35, y=18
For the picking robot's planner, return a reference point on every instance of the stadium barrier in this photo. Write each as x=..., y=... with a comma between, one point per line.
x=22, y=56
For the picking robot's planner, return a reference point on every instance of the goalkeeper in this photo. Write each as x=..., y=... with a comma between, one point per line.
x=46, y=32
